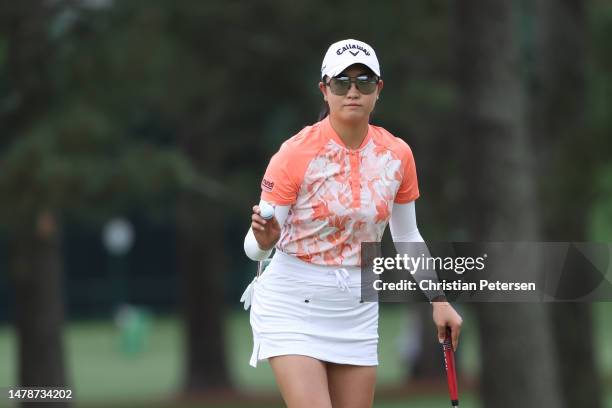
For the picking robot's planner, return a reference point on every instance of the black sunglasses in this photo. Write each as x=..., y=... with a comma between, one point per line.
x=340, y=85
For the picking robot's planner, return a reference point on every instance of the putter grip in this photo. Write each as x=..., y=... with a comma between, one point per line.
x=451, y=375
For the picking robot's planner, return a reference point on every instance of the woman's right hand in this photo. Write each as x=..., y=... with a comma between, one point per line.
x=267, y=232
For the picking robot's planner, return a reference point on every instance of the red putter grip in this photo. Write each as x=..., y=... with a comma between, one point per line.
x=451, y=374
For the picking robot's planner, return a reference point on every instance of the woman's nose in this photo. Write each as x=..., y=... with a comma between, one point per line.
x=353, y=91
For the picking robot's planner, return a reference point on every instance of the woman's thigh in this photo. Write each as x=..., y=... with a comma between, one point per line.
x=302, y=381
x=351, y=386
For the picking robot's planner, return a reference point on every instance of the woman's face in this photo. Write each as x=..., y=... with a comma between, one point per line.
x=354, y=106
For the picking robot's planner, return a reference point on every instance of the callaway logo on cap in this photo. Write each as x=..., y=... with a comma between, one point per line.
x=345, y=53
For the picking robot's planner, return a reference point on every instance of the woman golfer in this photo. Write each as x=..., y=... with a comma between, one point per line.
x=332, y=186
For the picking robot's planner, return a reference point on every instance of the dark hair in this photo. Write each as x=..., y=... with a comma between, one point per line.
x=324, y=111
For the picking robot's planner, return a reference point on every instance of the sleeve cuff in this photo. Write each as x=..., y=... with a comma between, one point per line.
x=252, y=249
x=441, y=297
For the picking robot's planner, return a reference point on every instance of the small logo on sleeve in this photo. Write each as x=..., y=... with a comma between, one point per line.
x=267, y=185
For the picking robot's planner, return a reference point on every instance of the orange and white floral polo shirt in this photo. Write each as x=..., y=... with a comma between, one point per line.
x=339, y=197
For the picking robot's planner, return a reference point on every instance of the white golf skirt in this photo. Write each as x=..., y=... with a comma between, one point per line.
x=312, y=310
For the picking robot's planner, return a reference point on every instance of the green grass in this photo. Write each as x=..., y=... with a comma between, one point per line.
x=419, y=402
x=99, y=372
x=101, y=376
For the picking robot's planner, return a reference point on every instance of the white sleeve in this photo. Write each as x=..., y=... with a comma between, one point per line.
x=251, y=247
x=404, y=231
x=403, y=223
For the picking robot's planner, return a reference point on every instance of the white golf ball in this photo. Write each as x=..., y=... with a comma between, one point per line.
x=266, y=210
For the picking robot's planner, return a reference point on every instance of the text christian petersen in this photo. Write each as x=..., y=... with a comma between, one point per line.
x=423, y=269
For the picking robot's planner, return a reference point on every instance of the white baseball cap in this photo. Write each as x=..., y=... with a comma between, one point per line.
x=345, y=53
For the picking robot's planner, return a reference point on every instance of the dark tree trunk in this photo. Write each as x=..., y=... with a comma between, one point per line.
x=201, y=264
x=25, y=25
x=38, y=275
x=518, y=363
x=558, y=120
x=35, y=248
x=573, y=326
x=559, y=126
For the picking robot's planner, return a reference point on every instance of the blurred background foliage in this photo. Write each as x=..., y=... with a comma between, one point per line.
x=166, y=113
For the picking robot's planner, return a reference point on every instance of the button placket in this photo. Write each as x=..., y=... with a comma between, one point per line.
x=355, y=178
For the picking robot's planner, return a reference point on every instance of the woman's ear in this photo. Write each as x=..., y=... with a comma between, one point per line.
x=381, y=84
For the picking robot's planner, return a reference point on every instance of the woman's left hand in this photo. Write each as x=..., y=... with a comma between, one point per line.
x=444, y=315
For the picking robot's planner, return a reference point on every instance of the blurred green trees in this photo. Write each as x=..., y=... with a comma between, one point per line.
x=109, y=107
x=64, y=153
